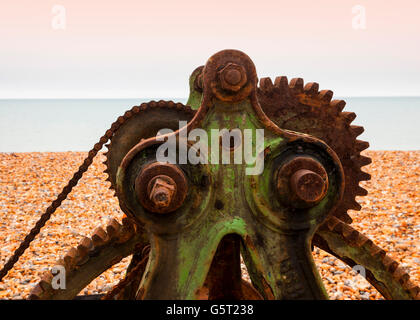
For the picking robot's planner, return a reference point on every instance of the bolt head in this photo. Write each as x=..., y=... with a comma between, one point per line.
x=232, y=77
x=302, y=182
x=308, y=186
x=162, y=190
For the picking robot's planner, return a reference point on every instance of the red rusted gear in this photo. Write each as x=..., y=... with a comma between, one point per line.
x=109, y=245
x=91, y=257
x=293, y=106
x=354, y=248
x=145, y=123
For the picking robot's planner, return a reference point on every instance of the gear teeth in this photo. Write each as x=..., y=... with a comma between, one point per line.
x=266, y=84
x=390, y=264
x=128, y=114
x=350, y=234
x=296, y=84
x=45, y=282
x=357, y=130
x=281, y=83
x=61, y=262
x=356, y=239
x=121, y=120
x=86, y=249
x=99, y=237
x=86, y=244
x=332, y=222
x=338, y=227
x=83, y=249
x=348, y=116
x=401, y=275
x=113, y=132
x=127, y=230
x=113, y=229
x=354, y=205
x=70, y=258
x=311, y=88
x=338, y=105
x=326, y=95
x=361, y=145
x=363, y=176
x=362, y=240
x=36, y=293
x=361, y=191
x=344, y=217
x=412, y=288
x=363, y=161
x=376, y=251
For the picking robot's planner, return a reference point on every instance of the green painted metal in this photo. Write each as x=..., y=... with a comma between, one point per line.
x=377, y=272
x=222, y=200
x=194, y=98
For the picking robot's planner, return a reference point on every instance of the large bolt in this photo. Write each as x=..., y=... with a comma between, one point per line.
x=308, y=186
x=161, y=191
x=161, y=187
x=232, y=77
x=302, y=182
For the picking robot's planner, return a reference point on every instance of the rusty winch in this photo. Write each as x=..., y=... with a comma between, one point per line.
x=272, y=172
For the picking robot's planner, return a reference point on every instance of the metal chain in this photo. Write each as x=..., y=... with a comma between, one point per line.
x=65, y=192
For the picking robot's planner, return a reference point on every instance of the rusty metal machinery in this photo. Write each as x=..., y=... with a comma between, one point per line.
x=187, y=225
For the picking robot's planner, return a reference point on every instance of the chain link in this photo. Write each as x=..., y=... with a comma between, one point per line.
x=63, y=194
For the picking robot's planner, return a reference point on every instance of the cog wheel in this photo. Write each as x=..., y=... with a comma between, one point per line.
x=293, y=106
x=92, y=257
x=107, y=247
x=145, y=123
x=354, y=248
x=293, y=109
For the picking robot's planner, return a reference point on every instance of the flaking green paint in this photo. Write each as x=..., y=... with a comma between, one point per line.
x=247, y=211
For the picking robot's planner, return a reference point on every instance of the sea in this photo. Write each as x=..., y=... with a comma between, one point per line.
x=41, y=125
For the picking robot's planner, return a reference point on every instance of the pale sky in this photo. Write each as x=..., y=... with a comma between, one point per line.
x=147, y=49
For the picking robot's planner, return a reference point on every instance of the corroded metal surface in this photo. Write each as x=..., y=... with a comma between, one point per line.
x=301, y=182
x=352, y=247
x=161, y=187
x=90, y=258
x=303, y=108
x=144, y=122
x=213, y=213
x=276, y=244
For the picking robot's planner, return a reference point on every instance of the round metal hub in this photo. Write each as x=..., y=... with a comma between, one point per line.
x=161, y=187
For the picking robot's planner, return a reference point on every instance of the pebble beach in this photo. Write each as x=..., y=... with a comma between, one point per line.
x=390, y=216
